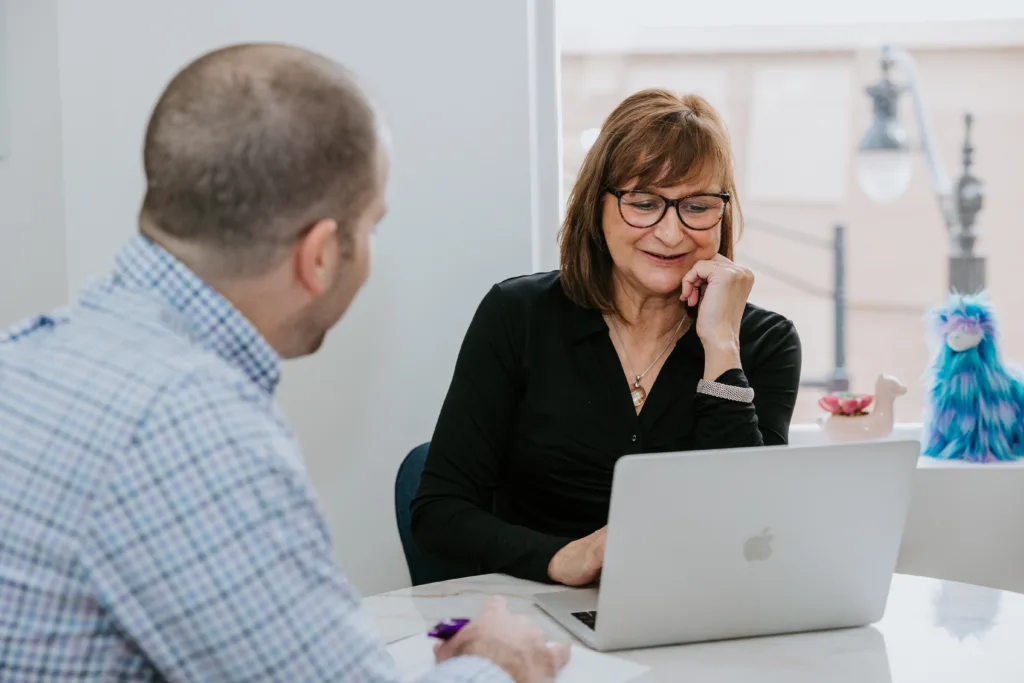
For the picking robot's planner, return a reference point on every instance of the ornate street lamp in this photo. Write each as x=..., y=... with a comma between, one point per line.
x=884, y=169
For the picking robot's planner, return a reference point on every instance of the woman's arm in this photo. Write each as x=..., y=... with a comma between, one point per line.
x=774, y=374
x=452, y=516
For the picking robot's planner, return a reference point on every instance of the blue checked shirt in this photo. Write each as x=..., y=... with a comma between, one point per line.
x=156, y=522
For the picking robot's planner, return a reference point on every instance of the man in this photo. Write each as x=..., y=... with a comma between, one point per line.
x=156, y=522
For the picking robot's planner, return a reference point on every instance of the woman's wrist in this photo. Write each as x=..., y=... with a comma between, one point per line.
x=555, y=567
x=720, y=356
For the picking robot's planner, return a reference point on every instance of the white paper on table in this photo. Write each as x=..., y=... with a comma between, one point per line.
x=415, y=657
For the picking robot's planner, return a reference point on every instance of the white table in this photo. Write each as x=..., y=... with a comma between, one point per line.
x=966, y=520
x=933, y=632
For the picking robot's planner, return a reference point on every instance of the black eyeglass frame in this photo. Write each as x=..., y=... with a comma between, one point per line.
x=619, y=194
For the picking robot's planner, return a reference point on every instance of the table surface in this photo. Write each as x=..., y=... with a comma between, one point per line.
x=932, y=632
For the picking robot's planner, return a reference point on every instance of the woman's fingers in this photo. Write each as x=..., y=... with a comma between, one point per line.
x=691, y=291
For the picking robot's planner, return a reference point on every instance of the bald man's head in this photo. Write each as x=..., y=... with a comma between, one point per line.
x=251, y=145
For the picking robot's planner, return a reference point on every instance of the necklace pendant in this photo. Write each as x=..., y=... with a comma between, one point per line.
x=638, y=394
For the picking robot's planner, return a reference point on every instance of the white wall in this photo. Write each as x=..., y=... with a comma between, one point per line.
x=32, y=256
x=4, y=125
x=545, y=69
x=452, y=77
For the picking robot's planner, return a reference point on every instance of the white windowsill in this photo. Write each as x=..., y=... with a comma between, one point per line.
x=811, y=434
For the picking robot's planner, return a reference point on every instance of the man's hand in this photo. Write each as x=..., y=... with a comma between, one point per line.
x=510, y=641
x=580, y=562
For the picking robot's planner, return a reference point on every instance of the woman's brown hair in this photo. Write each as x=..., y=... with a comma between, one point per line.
x=655, y=137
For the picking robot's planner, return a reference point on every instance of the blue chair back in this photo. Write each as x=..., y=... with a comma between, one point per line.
x=422, y=568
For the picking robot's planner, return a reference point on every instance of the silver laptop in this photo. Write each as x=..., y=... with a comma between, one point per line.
x=712, y=545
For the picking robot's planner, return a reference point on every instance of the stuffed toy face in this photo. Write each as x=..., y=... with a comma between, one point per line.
x=964, y=323
x=963, y=334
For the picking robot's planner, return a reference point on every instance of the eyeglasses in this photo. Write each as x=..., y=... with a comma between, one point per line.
x=645, y=209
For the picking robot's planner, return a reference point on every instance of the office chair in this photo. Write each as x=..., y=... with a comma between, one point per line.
x=422, y=568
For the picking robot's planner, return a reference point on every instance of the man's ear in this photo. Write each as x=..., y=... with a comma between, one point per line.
x=317, y=255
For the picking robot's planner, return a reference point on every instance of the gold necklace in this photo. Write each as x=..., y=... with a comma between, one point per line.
x=637, y=392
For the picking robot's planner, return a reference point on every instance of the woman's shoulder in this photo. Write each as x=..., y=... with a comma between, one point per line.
x=765, y=331
x=524, y=294
x=760, y=318
x=528, y=288
x=520, y=305
x=532, y=302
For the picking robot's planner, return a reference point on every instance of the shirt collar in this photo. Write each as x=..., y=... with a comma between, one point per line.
x=582, y=323
x=207, y=316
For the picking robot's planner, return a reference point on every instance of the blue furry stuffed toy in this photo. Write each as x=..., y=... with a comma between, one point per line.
x=976, y=410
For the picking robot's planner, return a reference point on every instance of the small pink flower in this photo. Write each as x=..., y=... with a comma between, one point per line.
x=845, y=404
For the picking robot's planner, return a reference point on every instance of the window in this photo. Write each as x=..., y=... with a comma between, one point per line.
x=791, y=86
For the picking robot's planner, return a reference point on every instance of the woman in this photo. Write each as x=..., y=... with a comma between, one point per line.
x=643, y=342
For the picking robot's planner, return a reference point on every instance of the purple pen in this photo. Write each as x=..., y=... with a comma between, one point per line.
x=447, y=628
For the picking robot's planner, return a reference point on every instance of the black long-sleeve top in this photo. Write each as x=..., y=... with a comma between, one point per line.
x=539, y=410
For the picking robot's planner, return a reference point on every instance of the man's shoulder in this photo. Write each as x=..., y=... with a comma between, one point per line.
x=112, y=358
x=84, y=390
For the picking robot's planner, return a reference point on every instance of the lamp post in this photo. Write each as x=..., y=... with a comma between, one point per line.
x=837, y=380
x=884, y=169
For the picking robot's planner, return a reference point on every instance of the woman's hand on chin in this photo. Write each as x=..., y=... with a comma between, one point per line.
x=721, y=287
x=580, y=562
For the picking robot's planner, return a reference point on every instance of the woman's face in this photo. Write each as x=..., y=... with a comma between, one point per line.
x=654, y=260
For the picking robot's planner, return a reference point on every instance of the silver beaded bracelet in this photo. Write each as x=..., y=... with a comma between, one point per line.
x=726, y=391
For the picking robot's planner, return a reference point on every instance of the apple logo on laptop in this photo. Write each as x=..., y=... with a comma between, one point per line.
x=758, y=548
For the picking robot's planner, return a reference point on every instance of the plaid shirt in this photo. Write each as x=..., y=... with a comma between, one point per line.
x=156, y=522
